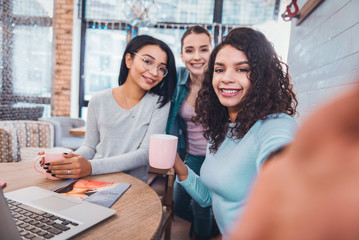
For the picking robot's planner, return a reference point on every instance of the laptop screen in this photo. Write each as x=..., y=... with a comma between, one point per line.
x=8, y=229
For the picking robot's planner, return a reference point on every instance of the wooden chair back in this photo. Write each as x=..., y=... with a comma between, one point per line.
x=166, y=197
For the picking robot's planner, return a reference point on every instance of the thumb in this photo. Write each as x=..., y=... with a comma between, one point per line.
x=41, y=153
x=68, y=154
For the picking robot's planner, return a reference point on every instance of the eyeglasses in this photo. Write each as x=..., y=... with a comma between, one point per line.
x=150, y=64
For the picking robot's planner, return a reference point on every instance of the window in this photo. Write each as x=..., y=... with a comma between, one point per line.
x=107, y=26
x=248, y=12
x=26, y=30
x=171, y=36
x=103, y=55
x=32, y=61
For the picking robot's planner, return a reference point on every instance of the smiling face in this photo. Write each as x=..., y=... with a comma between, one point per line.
x=230, y=78
x=195, y=52
x=138, y=75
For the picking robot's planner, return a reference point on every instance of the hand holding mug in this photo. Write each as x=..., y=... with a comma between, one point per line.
x=162, y=152
x=45, y=158
x=70, y=166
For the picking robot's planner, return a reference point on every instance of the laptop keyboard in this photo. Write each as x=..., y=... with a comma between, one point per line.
x=36, y=224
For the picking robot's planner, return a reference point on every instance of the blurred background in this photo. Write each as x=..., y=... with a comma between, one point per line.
x=57, y=53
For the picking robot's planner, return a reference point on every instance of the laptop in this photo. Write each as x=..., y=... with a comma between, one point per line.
x=37, y=213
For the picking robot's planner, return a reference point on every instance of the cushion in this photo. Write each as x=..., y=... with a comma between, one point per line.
x=35, y=134
x=18, y=134
x=9, y=147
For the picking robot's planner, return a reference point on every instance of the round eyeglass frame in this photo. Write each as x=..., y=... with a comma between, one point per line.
x=149, y=68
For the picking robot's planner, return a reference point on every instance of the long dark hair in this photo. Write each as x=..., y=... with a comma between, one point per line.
x=270, y=90
x=166, y=88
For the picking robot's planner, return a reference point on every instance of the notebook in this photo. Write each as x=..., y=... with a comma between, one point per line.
x=40, y=213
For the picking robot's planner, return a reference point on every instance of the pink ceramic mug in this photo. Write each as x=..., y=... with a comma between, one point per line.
x=47, y=157
x=163, y=149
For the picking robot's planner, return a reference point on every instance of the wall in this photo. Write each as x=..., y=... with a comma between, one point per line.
x=61, y=100
x=323, y=53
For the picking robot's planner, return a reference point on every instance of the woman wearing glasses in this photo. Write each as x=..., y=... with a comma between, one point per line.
x=121, y=120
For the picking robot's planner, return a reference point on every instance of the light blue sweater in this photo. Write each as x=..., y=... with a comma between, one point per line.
x=227, y=176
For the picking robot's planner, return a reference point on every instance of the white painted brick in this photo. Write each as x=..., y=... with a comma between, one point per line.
x=323, y=54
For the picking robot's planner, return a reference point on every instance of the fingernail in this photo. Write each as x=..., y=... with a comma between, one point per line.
x=47, y=163
x=48, y=171
x=53, y=175
x=65, y=153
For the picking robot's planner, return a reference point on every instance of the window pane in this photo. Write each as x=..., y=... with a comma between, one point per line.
x=150, y=12
x=105, y=10
x=247, y=12
x=170, y=36
x=38, y=8
x=103, y=55
x=195, y=12
x=32, y=61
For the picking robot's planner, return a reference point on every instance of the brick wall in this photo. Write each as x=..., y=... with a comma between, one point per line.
x=63, y=24
x=323, y=53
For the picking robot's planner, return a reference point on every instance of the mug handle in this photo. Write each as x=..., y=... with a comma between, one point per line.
x=35, y=165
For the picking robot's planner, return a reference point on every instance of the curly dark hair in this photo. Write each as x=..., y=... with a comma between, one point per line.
x=270, y=91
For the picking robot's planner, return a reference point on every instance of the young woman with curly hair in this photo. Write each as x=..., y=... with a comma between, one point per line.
x=246, y=106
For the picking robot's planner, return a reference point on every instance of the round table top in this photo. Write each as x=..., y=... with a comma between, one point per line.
x=139, y=209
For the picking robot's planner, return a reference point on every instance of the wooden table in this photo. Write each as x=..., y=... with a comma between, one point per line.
x=78, y=131
x=139, y=210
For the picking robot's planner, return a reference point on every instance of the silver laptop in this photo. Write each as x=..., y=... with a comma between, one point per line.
x=38, y=213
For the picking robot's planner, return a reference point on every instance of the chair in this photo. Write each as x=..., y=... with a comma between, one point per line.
x=62, y=126
x=166, y=199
